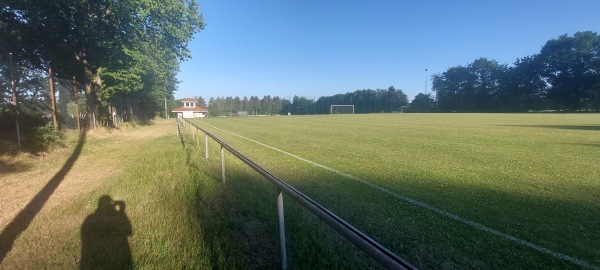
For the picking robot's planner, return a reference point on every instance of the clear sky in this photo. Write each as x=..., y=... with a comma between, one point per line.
x=316, y=48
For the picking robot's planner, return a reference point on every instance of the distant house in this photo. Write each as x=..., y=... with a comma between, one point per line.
x=190, y=109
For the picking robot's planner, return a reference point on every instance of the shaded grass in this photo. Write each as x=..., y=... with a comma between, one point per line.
x=508, y=171
x=241, y=219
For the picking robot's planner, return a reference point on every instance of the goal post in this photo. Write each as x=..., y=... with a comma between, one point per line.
x=341, y=109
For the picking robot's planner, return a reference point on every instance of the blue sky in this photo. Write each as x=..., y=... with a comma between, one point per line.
x=317, y=48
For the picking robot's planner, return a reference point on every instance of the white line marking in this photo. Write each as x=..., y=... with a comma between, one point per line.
x=474, y=224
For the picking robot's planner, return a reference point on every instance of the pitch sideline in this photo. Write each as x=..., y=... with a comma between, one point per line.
x=474, y=224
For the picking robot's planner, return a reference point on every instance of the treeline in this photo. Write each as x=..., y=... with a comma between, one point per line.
x=563, y=76
x=124, y=54
x=364, y=101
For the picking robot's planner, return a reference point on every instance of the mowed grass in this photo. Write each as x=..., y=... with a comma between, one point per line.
x=532, y=176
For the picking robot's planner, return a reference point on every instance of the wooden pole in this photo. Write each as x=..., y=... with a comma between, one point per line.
x=14, y=99
x=76, y=103
x=53, y=99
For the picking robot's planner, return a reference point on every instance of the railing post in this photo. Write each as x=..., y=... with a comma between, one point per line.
x=281, y=230
x=206, y=145
x=177, y=127
x=223, y=163
x=197, y=138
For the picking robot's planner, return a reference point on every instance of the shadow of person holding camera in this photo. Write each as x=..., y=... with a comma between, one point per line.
x=104, y=234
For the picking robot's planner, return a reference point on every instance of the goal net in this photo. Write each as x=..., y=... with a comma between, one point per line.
x=409, y=109
x=341, y=109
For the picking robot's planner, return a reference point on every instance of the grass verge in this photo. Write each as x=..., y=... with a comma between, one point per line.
x=145, y=170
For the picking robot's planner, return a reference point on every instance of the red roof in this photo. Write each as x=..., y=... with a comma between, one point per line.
x=189, y=109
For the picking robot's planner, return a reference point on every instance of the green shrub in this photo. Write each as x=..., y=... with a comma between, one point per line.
x=46, y=137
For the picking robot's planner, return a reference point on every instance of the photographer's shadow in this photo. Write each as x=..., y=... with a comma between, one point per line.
x=104, y=234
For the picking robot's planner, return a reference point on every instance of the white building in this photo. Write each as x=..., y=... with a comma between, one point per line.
x=190, y=109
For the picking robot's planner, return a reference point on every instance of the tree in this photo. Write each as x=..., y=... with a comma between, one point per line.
x=113, y=47
x=487, y=75
x=201, y=101
x=524, y=88
x=474, y=88
x=245, y=104
x=425, y=103
x=570, y=67
x=395, y=99
x=255, y=105
x=215, y=107
x=453, y=89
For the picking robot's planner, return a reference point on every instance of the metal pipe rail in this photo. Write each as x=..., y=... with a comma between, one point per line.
x=378, y=252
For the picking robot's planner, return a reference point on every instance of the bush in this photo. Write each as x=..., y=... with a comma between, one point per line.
x=46, y=137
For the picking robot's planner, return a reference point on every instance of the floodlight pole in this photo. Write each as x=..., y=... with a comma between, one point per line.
x=425, y=89
x=14, y=99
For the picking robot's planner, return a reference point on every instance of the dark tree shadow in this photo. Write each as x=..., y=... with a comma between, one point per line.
x=22, y=221
x=572, y=127
x=104, y=234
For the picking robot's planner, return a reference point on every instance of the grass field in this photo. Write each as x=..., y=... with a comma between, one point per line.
x=533, y=178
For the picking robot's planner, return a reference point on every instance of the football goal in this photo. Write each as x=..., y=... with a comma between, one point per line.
x=409, y=109
x=341, y=109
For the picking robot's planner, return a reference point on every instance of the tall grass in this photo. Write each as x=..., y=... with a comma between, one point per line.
x=532, y=176
x=159, y=194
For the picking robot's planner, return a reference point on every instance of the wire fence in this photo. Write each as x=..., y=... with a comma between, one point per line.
x=31, y=99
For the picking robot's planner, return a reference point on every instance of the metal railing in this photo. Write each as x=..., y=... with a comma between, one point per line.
x=375, y=250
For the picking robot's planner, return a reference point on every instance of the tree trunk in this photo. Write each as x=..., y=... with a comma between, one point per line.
x=91, y=90
x=89, y=95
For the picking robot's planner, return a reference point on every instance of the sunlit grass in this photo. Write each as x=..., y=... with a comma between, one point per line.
x=533, y=176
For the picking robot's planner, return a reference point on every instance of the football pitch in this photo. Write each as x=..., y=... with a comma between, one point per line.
x=444, y=190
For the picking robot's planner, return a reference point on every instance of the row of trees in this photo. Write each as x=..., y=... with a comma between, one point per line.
x=117, y=50
x=564, y=76
x=364, y=101
x=266, y=106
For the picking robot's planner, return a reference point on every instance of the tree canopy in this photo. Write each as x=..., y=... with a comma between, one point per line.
x=364, y=101
x=564, y=76
x=117, y=49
